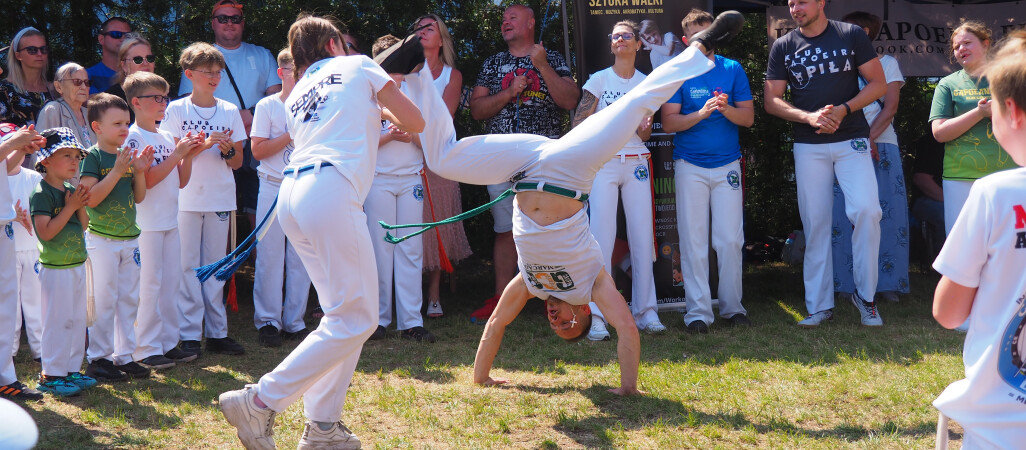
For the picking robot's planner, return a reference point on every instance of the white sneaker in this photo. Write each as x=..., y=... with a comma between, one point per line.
x=255, y=424
x=653, y=328
x=434, y=309
x=598, y=330
x=870, y=316
x=815, y=319
x=338, y=437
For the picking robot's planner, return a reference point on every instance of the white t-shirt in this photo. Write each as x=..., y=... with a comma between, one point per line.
x=987, y=250
x=22, y=184
x=269, y=123
x=333, y=116
x=399, y=158
x=892, y=73
x=254, y=70
x=7, y=212
x=607, y=87
x=159, y=211
x=211, y=187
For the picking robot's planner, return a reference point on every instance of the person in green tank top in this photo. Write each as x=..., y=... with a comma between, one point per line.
x=116, y=179
x=59, y=216
x=960, y=118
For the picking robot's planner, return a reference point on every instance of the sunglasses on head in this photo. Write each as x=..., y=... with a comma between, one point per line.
x=33, y=50
x=115, y=34
x=78, y=82
x=224, y=18
x=139, y=59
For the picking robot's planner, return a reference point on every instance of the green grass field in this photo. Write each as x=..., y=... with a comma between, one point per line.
x=772, y=385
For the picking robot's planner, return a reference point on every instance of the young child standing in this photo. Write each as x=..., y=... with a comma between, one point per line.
x=276, y=258
x=22, y=182
x=983, y=280
x=59, y=218
x=397, y=196
x=206, y=204
x=160, y=250
x=116, y=180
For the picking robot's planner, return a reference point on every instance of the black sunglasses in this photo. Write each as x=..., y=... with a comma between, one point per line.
x=139, y=59
x=157, y=98
x=224, y=18
x=77, y=81
x=115, y=34
x=33, y=50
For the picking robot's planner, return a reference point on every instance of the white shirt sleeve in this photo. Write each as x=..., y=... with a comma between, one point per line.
x=262, y=121
x=594, y=84
x=172, y=122
x=965, y=250
x=892, y=71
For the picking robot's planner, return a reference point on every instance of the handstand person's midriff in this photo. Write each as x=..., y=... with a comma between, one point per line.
x=546, y=208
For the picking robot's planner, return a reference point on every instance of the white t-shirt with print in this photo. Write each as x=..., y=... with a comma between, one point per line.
x=987, y=250
x=212, y=186
x=892, y=73
x=7, y=212
x=399, y=158
x=269, y=123
x=21, y=186
x=607, y=87
x=159, y=211
x=333, y=117
x=254, y=70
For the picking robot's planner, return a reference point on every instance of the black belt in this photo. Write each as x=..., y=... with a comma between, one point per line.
x=542, y=186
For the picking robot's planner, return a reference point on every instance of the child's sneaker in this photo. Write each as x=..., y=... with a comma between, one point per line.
x=225, y=345
x=192, y=347
x=81, y=380
x=255, y=425
x=134, y=370
x=870, y=316
x=336, y=437
x=104, y=370
x=18, y=391
x=598, y=331
x=180, y=356
x=58, y=386
x=157, y=362
x=815, y=319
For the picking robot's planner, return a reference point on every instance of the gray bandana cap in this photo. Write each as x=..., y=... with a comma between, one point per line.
x=56, y=139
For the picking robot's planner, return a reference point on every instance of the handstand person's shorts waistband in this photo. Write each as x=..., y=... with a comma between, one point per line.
x=293, y=171
x=541, y=186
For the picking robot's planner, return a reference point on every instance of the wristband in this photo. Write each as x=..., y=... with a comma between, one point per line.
x=846, y=107
x=229, y=155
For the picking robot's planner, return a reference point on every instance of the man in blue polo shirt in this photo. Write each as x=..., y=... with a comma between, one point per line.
x=706, y=113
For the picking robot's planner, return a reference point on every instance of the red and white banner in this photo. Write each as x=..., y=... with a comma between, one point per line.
x=917, y=35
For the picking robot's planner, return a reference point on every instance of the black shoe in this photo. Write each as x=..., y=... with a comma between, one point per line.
x=268, y=336
x=191, y=347
x=134, y=370
x=105, y=370
x=378, y=334
x=295, y=335
x=419, y=334
x=156, y=362
x=225, y=345
x=739, y=320
x=402, y=57
x=180, y=356
x=723, y=30
x=18, y=391
x=697, y=327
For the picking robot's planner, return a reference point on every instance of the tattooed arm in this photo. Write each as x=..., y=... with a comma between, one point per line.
x=586, y=108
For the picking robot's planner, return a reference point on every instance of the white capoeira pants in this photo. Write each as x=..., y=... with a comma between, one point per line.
x=29, y=307
x=64, y=320
x=956, y=192
x=8, y=301
x=115, y=265
x=201, y=308
x=699, y=192
x=335, y=247
x=156, y=330
x=277, y=264
x=630, y=178
x=815, y=166
x=397, y=199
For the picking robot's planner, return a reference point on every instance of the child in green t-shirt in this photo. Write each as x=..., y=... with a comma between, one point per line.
x=58, y=216
x=116, y=180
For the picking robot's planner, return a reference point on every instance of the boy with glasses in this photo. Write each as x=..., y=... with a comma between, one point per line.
x=112, y=34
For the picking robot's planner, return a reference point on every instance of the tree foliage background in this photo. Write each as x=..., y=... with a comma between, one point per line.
x=170, y=25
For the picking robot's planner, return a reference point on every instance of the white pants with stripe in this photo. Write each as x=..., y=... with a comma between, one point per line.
x=201, y=308
x=156, y=330
x=115, y=266
x=815, y=166
x=336, y=249
x=277, y=266
x=630, y=178
x=397, y=199
x=699, y=192
x=29, y=307
x=9, y=302
x=64, y=320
